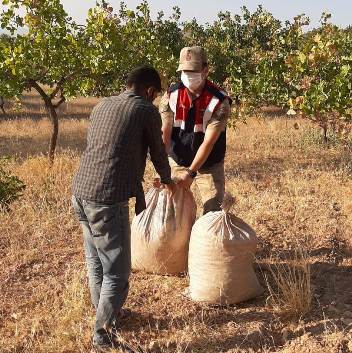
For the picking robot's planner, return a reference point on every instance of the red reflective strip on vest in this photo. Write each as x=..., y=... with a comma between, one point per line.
x=183, y=105
x=205, y=105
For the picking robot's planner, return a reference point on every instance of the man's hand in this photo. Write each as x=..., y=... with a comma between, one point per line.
x=171, y=188
x=184, y=180
x=157, y=183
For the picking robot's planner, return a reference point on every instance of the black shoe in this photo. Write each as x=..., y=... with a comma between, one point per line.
x=105, y=348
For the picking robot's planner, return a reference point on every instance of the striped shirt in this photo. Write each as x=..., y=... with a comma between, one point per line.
x=122, y=129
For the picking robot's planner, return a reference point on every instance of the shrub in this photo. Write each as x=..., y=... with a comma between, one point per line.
x=11, y=187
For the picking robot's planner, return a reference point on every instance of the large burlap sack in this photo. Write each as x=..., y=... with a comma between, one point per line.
x=160, y=234
x=221, y=255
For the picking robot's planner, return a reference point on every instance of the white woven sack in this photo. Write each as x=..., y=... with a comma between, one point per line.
x=221, y=255
x=160, y=234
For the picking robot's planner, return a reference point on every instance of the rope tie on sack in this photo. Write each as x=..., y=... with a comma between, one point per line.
x=227, y=202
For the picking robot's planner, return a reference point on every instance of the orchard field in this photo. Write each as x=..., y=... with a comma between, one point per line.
x=288, y=164
x=294, y=190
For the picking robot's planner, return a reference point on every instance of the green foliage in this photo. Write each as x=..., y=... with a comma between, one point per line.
x=157, y=42
x=11, y=187
x=256, y=58
x=243, y=56
x=103, y=63
x=46, y=47
x=254, y=63
x=320, y=75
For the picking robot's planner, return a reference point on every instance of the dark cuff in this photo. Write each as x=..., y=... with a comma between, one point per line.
x=140, y=200
x=166, y=180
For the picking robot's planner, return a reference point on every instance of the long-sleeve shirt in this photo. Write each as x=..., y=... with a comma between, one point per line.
x=122, y=129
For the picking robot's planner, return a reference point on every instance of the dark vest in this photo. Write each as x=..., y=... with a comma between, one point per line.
x=190, y=122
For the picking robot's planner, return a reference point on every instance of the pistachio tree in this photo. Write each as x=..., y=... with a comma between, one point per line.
x=45, y=54
x=153, y=41
x=320, y=75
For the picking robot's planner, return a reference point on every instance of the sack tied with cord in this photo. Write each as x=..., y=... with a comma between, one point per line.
x=160, y=234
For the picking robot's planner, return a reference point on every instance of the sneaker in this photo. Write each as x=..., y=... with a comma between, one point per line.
x=105, y=348
x=123, y=314
x=115, y=342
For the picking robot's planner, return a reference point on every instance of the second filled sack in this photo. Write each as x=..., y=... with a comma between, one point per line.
x=221, y=255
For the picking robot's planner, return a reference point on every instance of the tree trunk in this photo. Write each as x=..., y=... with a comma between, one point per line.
x=51, y=109
x=55, y=132
x=2, y=103
x=325, y=134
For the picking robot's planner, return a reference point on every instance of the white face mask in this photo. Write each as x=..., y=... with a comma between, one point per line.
x=192, y=80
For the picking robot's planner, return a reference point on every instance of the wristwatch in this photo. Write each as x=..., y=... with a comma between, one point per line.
x=191, y=173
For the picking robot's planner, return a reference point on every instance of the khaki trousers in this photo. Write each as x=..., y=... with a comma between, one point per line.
x=210, y=183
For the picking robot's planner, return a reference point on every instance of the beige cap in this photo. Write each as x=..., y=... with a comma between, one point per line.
x=192, y=59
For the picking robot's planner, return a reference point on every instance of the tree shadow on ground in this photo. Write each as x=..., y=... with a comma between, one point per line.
x=330, y=281
x=24, y=146
x=273, y=112
x=267, y=169
x=32, y=107
x=256, y=170
x=213, y=318
x=36, y=116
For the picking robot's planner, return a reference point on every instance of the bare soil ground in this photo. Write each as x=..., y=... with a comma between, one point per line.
x=291, y=188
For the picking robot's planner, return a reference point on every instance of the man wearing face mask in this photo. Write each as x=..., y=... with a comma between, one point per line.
x=194, y=114
x=122, y=129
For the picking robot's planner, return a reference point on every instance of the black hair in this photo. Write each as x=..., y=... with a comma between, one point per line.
x=144, y=76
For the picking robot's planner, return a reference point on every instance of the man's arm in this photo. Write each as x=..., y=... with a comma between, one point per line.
x=152, y=132
x=220, y=117
x=210, y=138
x=167, y=117
x=215, y=127
x=166, y=131
x=217, y=124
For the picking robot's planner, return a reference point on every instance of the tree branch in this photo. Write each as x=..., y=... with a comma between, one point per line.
x=40, y=90
x=62, y=100
x=60, y=83
x=57, y=89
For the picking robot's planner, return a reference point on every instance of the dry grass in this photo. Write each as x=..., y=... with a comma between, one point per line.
x=288, y=187
x=290, y=290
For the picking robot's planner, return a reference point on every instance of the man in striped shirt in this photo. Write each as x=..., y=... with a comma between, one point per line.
x=122, y=129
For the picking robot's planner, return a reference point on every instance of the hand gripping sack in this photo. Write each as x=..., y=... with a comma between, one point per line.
x=160, y=234
x=221, y=255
